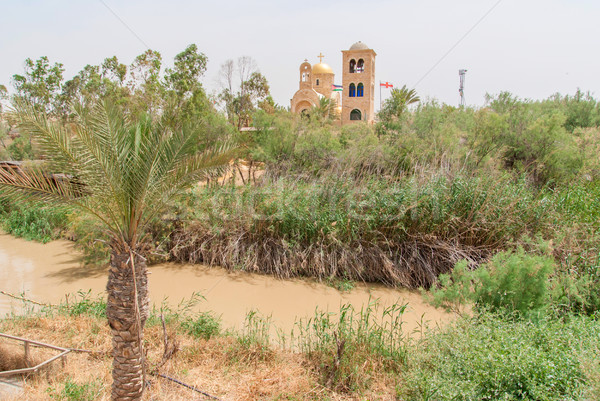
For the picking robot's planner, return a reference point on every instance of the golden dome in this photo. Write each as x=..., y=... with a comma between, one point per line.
x=321, y=68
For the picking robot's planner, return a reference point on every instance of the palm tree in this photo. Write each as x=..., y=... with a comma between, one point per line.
x=399, y=100
x=123, y=172
x=326, y=110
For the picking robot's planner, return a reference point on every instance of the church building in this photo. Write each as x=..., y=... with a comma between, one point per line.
x=355, y=98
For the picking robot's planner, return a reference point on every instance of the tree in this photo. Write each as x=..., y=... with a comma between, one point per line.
x=93, y=84
x=123, y=171
x=3, y=96
x=393, y=110
x=41, y=84
x=185, y=99
x=325, y=111
x=5, y=123
x=145, y=82
x=253, y=90
x=84, y=87
x=395, y=106
x=184, y=77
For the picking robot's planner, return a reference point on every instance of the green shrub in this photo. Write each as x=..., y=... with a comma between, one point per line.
x=575, y=290
x=21, y=149
x=510, y=282
x=514, y=282
x=455, y=290
x=33, y=222
x=490, y=358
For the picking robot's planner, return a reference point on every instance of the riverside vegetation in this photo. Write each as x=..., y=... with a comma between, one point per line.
x=493, y=212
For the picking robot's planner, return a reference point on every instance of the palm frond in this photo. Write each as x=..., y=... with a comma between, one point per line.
x=36, y=184
x=128, y=169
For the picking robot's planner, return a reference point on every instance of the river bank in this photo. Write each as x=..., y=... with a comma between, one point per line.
x=48, y=272
x=339, y=352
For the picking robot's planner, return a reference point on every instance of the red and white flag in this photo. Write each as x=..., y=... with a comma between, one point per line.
x=386, y=85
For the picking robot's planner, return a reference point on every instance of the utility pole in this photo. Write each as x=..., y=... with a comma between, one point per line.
x=461, y=88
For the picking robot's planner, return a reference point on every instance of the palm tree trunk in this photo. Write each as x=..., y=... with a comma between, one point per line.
x=127, y=329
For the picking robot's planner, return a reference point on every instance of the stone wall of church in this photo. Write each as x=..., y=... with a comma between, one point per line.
x=304, y=99
x=325, y=81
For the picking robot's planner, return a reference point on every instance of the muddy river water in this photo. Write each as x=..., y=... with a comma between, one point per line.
x=47, y=272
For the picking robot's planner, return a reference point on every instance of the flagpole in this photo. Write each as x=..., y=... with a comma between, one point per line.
x=380, y=96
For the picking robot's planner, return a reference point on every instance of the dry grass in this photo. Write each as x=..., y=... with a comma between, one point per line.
x=11, y=359
x=411, y=264
x=221, y=366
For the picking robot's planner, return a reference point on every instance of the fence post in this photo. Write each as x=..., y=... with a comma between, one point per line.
x=26, y=346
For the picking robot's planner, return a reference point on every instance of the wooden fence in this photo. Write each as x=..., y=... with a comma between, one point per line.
x=26, y=345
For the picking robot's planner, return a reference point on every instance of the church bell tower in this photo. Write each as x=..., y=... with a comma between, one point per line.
x=358, y=79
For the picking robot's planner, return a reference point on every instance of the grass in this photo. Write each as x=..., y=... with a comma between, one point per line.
x=351, y=349
x=72, y=391
x=345, y=355
x=203, y=325
x=404, y=232
x=83, y=303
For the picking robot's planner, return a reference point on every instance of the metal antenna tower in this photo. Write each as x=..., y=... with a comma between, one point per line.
x=461, y=89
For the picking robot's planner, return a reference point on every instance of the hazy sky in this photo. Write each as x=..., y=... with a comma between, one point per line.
x=532, y=48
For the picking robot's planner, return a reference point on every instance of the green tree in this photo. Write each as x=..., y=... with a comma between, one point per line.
x=84, y=87
x=145, y=82
x=184, y=77
x=485, y=138
x=253, y=90
x=581, y=110
x=184, y=97
x=94, y=83
x=326, y=111
x=123, y=171
x=275, y=137
x=3, y=96
x=41, y=84
x=114, y=76
x=396, y=105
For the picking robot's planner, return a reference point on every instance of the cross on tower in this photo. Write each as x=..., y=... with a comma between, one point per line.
x=320, y=56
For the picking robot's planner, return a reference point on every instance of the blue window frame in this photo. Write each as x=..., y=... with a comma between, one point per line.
x=360, y=90
x=352, y=90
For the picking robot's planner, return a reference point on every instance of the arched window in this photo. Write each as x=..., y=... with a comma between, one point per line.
x=360, y=90
x=317, y=81
x=355, y=115
x=305, y=76
x=360, y=67
x=352, y=65
x=352, y=90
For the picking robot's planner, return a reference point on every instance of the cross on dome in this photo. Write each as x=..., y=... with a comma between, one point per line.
x=320, y=56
